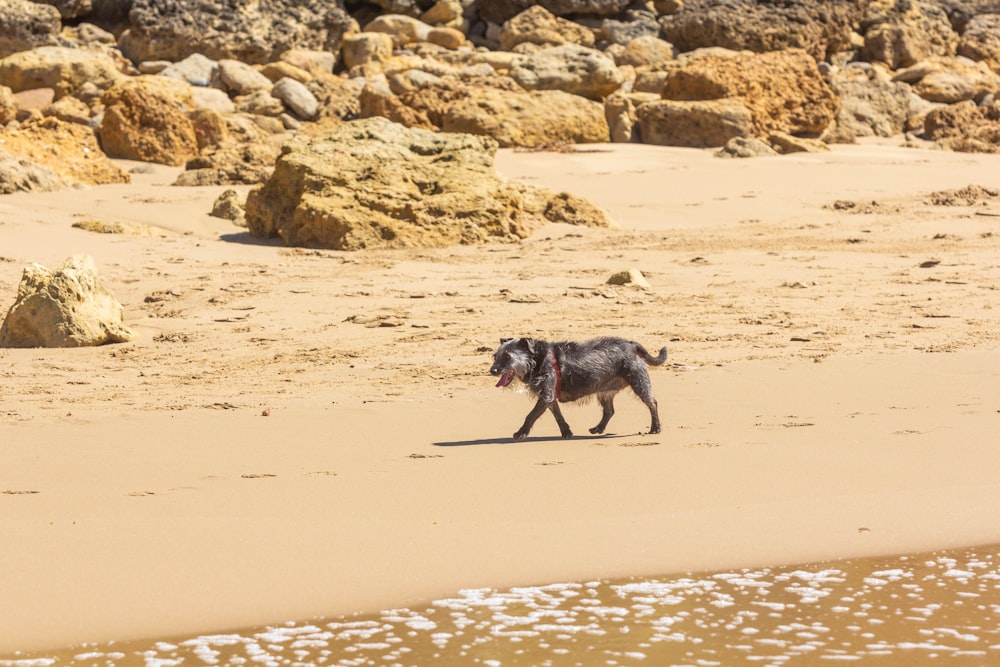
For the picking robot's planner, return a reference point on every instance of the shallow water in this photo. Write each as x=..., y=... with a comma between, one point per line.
x=935, y=608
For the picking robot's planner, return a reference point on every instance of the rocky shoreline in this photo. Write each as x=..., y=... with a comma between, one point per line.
x=220, y=88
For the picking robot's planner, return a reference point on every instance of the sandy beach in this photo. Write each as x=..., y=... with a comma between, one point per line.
x=300, y=432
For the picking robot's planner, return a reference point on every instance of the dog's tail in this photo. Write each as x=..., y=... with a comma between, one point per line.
x=650, y=359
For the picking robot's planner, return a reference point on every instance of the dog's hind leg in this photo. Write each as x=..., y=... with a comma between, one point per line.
x=642, y=387
x=608, y=410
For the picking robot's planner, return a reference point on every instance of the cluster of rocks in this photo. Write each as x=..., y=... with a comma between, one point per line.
x=219, y=87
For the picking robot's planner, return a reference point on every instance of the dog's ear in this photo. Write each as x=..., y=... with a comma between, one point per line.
x=505, y=340
x=528, y=344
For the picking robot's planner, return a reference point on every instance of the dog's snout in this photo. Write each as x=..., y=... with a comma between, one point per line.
x=494, y=370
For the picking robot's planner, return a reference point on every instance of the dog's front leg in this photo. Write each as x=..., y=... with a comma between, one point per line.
x=530, y=420
x=563, y=426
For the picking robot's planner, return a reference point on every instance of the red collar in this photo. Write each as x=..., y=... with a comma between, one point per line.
x=555, y=367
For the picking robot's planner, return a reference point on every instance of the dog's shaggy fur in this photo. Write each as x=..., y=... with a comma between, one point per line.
x=563, y=372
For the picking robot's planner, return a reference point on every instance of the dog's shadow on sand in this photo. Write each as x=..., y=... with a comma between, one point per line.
x=541, y=438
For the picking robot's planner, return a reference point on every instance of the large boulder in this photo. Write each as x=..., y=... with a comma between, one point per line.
x=568, y=67
x=26, y=25
x=68, y=150
x=965, y=127
x=949, y=79
x=68, y=307
x=783, y=90
x=251, y=31
x=901, y=34
x=373, y=183
x=146, y=119
x=981, y=40
x=820, y=28
x=18, y=174
x=61, y=68
x=538, y=25
x=869, y=106
x=699, y=124
x=529, y=119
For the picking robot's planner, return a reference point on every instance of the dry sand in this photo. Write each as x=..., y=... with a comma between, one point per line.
x=299, y=432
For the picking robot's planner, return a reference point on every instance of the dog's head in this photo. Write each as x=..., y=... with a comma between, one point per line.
x=514, y=358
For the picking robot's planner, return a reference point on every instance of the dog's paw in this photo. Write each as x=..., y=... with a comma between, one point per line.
x=597, y=430
x=654, y=431
x=567, y=433
x=520, y=435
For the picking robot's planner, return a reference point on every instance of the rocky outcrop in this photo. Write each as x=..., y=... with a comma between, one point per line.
x=797, y=99
x=145, y=120
x=949, y=80
x=251, y=31
x=869, y=105
x=373, y=183
x=981, y=40
x=819, y=28
x=68, y=307
x=965, y=127
x=67, y=150
x=26, y=25
x=18, y=174
x=901, y=34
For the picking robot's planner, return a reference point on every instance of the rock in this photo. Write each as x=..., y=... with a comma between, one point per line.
x=643, y=24
x=743, y=147
x=26, y=25
x=569, y=67
x=785, y=143
x=251, y=31
x=949, y=79
x=448, y=38
x=448, y=13
x=379, y=101
x=404, y=30
x=260, y=103
x=71, y=9
x=240, y=78
x=699, y=124
x=798, y=101
x=647, y=51
x=901, y=34
x=500, y=11
x=144, y=120
x=277, y=71
x=69, y=307
x=373, y=183
x=530, y=119
x=965, y=127
x=981, y=40
x=296, y=97
x=61, y=68
x=8, y=105
x=242, y=154
x=538, y=25
x=868, y=105
x=18, y=174
x=35, y=100
x=196, y=69
x=632, y=277
x=228, y=207
x=819, y=28
x=68, y=149
x=366, y=49
x=123, y=228
x=567, y=208
x=212, y=99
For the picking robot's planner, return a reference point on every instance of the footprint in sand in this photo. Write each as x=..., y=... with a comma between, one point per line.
x=18, y=492
x=256, y=475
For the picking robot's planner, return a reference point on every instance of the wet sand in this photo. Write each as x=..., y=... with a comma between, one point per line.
x=300, y=433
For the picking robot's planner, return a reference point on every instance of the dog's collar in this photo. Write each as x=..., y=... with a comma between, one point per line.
x=555, y=367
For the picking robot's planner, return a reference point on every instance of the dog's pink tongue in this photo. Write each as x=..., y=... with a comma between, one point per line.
x=505, y=378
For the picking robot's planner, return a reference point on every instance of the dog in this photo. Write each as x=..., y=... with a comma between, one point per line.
x=563, y=372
